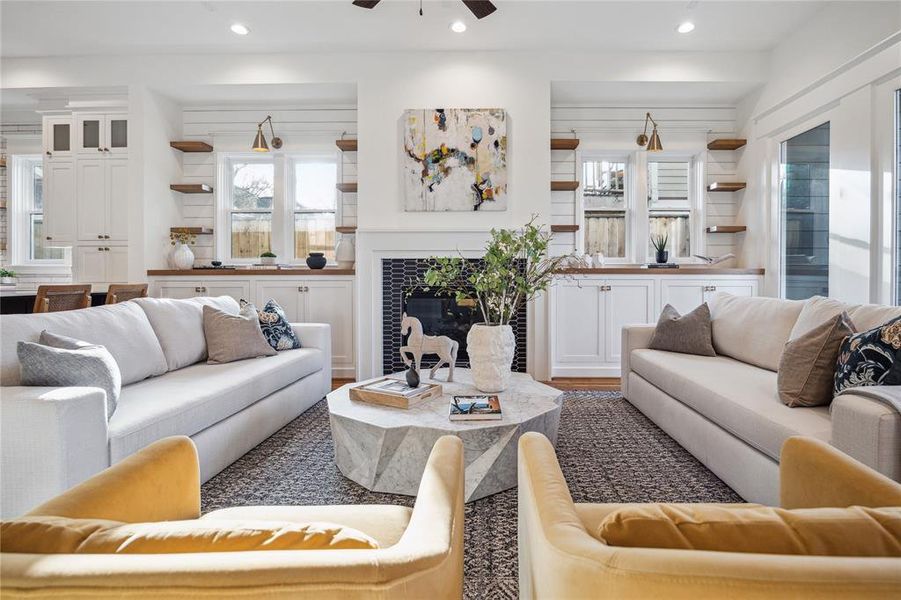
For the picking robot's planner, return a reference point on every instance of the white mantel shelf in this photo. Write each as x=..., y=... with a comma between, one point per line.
x=686, y=270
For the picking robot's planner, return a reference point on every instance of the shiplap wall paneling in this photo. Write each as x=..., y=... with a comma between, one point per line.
x=721, y=208
x=564, y=167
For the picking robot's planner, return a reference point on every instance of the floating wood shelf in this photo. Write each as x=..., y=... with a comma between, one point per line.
x=191, y=188
x=727, y=229
x=346, y=145
x=564, y=144
x=191, y=146
x=348, y=188
x=726, y=144
x=564, y=186
x=564, y=228
x=731, y=186
x=347, y=229
x=3, y=162
x=192, y=230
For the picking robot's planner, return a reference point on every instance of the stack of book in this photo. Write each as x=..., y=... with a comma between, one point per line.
x=475, y=408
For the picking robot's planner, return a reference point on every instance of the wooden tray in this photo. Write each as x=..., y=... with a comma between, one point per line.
x=429, y=391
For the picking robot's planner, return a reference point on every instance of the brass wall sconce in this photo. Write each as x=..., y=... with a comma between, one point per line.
x=259, y=141
x=653, y=142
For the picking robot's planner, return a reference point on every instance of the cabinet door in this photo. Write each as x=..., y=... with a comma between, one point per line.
x=90, y=193
x=116, y=129
x=287, y=294
x=736, y=288
x=628, y=302
x=116, y=264
x=579, y=324
x=178, y=289
x=90, y=134
x=684, y=294
x=57, y=137
x=239, y=290
x=116, y=172
x=332, y=302
x=90, y=264
x=59, y=202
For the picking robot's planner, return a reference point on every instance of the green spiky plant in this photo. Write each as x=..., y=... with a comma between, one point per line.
x=659, y=241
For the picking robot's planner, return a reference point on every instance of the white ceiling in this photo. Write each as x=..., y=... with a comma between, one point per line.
x=40, y=28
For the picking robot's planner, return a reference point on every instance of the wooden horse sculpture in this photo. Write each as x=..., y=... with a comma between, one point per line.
x=418, y=344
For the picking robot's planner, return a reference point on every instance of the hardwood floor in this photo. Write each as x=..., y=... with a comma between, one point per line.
x=599, y=384
x=338, y=382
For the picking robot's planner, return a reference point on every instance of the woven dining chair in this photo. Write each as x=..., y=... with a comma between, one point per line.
x=120, y=292
x=55, y=298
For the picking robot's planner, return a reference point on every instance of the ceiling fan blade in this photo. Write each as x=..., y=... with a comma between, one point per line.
x=366, y=3
x=480, y=8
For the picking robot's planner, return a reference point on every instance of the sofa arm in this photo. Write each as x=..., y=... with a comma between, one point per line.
x=160, y=482
x=318, y=335
x=869, y=430
x=813, y=474
x=52, y=439
x=634, y=337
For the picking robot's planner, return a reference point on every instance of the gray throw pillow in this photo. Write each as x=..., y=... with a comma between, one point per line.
x=688, y=334
x=807, y=367
x=62, y=361
x=234, y=337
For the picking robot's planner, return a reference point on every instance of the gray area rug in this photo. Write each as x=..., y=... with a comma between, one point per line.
x=608, y=450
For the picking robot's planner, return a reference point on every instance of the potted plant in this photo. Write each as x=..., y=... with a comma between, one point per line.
x=514, y=270
x=268, y=258
x=181, y=257
x=7, y=277
x=659, y=242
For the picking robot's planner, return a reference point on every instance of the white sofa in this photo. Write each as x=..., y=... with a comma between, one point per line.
x=54, y=438
x=725, y=410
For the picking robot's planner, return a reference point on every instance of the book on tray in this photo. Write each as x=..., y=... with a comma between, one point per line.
x=481, y=407
x=395, y=387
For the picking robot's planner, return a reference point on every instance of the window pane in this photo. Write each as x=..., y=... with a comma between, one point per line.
x=36, y=244
x=668, y=185
x=605, y=231
x=315, y=185
x=898, y=197
x=251, y=234
x=603, y=198
x=676, y=227
x=314, y=232
x=253, y=184
x=805, y=214
x=90, y=133
x=37, y=186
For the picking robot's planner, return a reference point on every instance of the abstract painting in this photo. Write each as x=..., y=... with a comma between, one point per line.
x=455, y=159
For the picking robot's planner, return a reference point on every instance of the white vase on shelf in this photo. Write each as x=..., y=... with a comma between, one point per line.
x=181, y=257
x=345, y=253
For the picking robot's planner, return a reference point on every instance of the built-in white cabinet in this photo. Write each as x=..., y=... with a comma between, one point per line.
x=102, y=190
x=587, y=314
x=315, y=299
x=101, y=264
x=59, y=202
x=58, y=137
x=101, y=134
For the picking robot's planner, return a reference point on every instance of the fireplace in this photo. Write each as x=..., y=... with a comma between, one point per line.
x=439, y=314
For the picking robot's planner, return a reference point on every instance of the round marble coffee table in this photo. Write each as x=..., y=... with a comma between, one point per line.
x=385, y=449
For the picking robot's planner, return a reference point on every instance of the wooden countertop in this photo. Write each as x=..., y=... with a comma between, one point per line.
x=298, y=272
x=684, y=270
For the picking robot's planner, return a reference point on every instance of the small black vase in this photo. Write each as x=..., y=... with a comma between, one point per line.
x=662, y=256
x=316, y=260
x=412, y=377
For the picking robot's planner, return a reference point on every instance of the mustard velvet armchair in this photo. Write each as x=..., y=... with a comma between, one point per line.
x=420, y=554
x=558, y=558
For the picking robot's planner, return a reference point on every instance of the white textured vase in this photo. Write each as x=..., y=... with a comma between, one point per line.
x=181, y=257
x=345, y=253
x=490, y=349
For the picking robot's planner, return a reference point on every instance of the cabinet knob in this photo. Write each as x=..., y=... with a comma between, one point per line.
x=106, y=237
x=300, y=288
x=107, y=249
x=49, y=237
x=99, y=149
x=99, y=237
x=306, y=289
x=197, y=289
x=49, y=153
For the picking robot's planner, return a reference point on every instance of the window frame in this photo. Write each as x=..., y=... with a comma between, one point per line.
x=291, y=195
x=21, y=209
x=696, y=196
x=628, y=200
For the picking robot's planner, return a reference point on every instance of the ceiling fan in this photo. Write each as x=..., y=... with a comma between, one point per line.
x=480, y=8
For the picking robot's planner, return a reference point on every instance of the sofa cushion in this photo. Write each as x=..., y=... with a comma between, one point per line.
x=817, y=310
x=752, y=330
x=870, y=316
x=179, y=326
x=189, y=400
x=122, y=328
x=234, y=337
x=689, y=333
x=385, y=524
x=739, y=397
x=870, y=357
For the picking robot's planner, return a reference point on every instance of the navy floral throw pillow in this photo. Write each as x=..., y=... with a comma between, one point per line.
x=870, y=358
x=276, y=329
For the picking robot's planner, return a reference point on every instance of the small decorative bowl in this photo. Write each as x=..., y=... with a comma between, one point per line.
x=216, y=263
x=316, y=260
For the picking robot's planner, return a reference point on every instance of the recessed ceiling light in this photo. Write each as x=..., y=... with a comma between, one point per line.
x=686, y=27
x=240, y=29
x=458, y=26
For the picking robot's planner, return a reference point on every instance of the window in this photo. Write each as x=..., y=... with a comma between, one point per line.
x=28, y=199
x=604, y=204
x=314, y=207
x=804, y=190
x=898, y=197
x=285, y=204
x=669, y=206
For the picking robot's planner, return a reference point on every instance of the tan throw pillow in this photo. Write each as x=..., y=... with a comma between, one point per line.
x=688, y=334
x=807, y=367
x=234, y=337
x=854, y=531
x=59, y=535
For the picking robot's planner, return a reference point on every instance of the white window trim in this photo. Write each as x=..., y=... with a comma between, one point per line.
x=19, y=217
x=301, y=157
x=697, y=191
x=628, y=201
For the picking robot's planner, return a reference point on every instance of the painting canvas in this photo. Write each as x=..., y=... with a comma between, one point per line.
x=455, y=159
